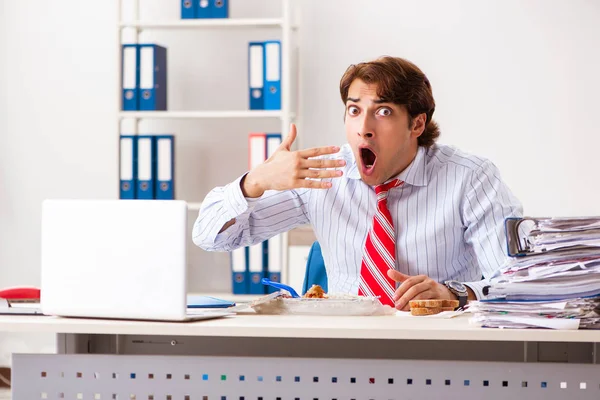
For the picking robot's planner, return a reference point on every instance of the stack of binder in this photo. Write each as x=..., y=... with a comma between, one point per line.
x=144, y=73
x=147, y=165
x=250, y=264
x=552, y=279
x=191, y=9
x=264, y=75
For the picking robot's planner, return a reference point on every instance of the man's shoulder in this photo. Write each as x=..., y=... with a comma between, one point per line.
x=442, y=155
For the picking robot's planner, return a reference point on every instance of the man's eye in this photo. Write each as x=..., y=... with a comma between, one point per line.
x=352, y=110
x=384, y=112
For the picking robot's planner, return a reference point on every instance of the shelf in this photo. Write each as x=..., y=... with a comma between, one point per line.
x=202, y=114
x=206, y=23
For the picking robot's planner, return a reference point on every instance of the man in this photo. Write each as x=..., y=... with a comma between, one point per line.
x=389, y=207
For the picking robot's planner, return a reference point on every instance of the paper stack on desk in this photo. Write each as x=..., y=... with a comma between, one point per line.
x=552, y=279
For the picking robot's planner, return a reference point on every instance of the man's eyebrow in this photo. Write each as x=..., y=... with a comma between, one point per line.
x=357, y=100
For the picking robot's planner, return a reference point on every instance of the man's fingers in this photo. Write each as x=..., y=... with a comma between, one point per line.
x=411, y=293
x=289, y=139
x=322, y=163
x=407, y=284
x=427, y=294
x=319, y=173
x=318, y=151
x=397, y=276
x=307, y=183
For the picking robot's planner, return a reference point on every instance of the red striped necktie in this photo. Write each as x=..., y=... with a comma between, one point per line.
x=380, y=251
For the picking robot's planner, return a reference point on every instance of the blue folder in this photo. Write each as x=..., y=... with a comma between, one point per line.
x=188, y=9
x=207, y=302
x=130, y=66
x=165, y=167
x=128, y=167
x=272, y=74
x=152, y=89
x=256, y=75
x=220, y=9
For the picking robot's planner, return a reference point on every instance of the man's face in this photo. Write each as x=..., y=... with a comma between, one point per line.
x=379, y=134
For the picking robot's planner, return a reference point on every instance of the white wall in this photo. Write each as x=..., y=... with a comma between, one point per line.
x=58, y=138
x=514, y=81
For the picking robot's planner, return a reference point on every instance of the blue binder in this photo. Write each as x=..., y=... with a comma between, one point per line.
x=256, y=268
x=165, y=167
x=256, y=75
x=239, y=271
x=203, y=8
x=274, y=247
x=220, y=8
x=128, y=167
x=266, y=268
x=146, y=167
x=272, y=88
x=153, y=77
x=130, y=77
x=188, y=9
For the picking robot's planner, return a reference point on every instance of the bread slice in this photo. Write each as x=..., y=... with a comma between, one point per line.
x=432, y=303
x=448, y=308
x=425, y=311
x=450, y=303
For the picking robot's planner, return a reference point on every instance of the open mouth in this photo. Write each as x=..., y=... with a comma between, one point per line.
x=368, y=157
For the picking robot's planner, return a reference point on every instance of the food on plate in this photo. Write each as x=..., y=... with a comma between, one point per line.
x=315, y=292
x=432, y=306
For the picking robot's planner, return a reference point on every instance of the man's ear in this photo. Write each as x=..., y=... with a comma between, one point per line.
x=418, y=125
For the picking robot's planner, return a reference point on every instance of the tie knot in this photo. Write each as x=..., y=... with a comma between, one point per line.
x=382, y=190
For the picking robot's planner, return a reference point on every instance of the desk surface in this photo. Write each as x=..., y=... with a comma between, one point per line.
x=252, y=325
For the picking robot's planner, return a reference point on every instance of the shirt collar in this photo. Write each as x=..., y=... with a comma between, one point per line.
x=414, y=174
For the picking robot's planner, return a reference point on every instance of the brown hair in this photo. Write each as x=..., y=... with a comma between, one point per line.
x=400, y=82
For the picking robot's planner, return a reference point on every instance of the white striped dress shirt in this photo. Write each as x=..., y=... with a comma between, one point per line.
x=448, y=217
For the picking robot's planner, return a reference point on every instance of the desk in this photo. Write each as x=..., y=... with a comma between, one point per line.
x=253, y=357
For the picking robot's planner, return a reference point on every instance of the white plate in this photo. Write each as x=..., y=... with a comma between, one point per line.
x=335, y=305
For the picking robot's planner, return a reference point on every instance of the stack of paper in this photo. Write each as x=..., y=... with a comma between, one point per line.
x=554, y=282
x=575, y=314
x=538, y=235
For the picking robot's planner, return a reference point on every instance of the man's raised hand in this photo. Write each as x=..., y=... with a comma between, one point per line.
x=287, y=169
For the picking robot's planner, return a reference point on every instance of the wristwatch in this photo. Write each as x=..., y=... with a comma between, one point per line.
x=459, y=290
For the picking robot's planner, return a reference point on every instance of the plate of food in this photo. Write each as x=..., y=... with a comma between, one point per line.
x=317, y=302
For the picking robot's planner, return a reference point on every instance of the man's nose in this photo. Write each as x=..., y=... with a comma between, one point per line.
x=366, y=128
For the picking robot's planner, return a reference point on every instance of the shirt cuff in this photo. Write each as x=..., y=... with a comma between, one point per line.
x=235, y=202
x=477, y=287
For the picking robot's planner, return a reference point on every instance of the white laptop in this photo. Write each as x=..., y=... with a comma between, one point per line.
x=121, y=259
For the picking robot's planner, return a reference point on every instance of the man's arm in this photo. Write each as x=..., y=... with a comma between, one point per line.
x=228, y=220
x=488, y=202
x=244, y=212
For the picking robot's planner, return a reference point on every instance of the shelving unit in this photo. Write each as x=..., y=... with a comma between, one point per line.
x=194, y=206
x=286, y=115
x=202, y=114
x=208, y=23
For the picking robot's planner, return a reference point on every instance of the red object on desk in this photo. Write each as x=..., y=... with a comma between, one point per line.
x=20, y=293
